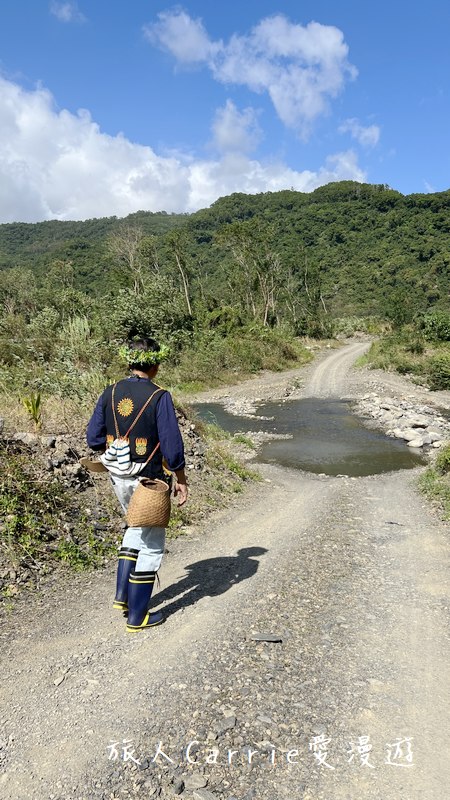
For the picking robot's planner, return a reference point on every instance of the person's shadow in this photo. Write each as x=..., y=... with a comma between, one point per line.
x=209, y=578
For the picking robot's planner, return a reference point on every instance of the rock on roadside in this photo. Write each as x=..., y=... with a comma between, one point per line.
x=418, y=425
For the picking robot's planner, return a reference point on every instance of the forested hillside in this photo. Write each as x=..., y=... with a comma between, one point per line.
x=366, y=241
x=229, y=288
x=367, y=244
x=36, y=246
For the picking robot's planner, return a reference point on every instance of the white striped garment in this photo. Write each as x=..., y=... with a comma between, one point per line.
x=117, y=459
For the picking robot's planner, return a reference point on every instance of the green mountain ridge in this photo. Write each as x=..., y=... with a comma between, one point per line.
x=368, y=242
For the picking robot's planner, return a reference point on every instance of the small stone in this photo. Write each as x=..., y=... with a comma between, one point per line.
x=419, y=421
x=226, y=724
x=74, y=470
x=64, y=447
x=178, y=786
x=415, y=443
x=409, y=434
x=26, y=438
x=195, y=781
x=204, y=794
x=48, y=441
x=265, y=637
x=58, y=681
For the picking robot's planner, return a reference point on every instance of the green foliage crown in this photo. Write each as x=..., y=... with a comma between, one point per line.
x=146, y=358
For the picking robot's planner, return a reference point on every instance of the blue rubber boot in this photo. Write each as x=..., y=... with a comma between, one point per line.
x=127, y=562
x=140, y=588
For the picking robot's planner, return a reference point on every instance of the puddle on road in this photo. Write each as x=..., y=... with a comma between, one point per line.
x=326, y=437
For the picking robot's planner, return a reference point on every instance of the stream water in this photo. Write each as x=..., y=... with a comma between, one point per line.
x=325, y=437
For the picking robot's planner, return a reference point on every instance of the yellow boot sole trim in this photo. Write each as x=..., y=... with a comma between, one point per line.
x=143, y=626
x=120, y=606
x=127, y=558
x=141, y=582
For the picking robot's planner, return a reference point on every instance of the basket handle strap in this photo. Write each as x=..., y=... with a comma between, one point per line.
x=114, y=412
x=116, y=424
x=151, y=455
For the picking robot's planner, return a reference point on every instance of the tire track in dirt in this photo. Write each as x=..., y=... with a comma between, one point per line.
x=328, y=377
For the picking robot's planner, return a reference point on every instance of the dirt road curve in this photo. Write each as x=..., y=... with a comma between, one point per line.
x=350, y=574
x=329, y=376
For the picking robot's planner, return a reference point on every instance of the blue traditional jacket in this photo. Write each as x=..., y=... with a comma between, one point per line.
x=158, y=423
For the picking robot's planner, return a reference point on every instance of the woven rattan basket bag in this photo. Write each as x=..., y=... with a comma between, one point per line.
x=149, y=505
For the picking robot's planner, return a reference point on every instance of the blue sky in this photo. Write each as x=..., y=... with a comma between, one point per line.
x=111, y=107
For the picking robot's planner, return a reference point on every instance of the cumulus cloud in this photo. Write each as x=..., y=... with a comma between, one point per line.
x=236, y=131
x=366, y=136
x=237, y=173
x=66, y=12
x=59, y=165
x=184, y=37
x=300, y=67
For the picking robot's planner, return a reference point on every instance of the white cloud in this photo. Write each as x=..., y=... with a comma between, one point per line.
x=237, y=173
x=300, y=67
x=367, y=136
x=183, y=36
x=55, y=164
x=66, y=12
x=236, y=131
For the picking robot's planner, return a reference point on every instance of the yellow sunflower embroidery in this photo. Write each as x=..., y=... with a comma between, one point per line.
x=141, y=447
x=125, y=407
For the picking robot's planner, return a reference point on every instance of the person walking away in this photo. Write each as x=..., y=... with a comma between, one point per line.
x=140, y=410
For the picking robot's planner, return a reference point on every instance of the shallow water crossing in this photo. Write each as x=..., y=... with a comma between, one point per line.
x=325, y=437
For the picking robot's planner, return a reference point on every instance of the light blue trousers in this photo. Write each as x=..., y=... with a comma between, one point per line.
x=149, y=541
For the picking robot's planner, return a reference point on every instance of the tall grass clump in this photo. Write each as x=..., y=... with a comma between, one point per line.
x=410, y=351
x=435, y=481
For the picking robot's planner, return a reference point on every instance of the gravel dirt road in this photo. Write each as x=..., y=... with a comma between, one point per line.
x=351, y=700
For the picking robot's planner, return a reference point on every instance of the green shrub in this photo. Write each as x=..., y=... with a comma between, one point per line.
x=415, y=346
x=214, y=358
x=404, y=367
x=33, y=407
x=442, y=464
x=348, y=326
x=30, y=506
x=439, y=371
x=436, y=486
x=436, y=326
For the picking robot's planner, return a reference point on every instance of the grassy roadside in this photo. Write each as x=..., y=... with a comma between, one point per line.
x=435, y=482
x=408, y=353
